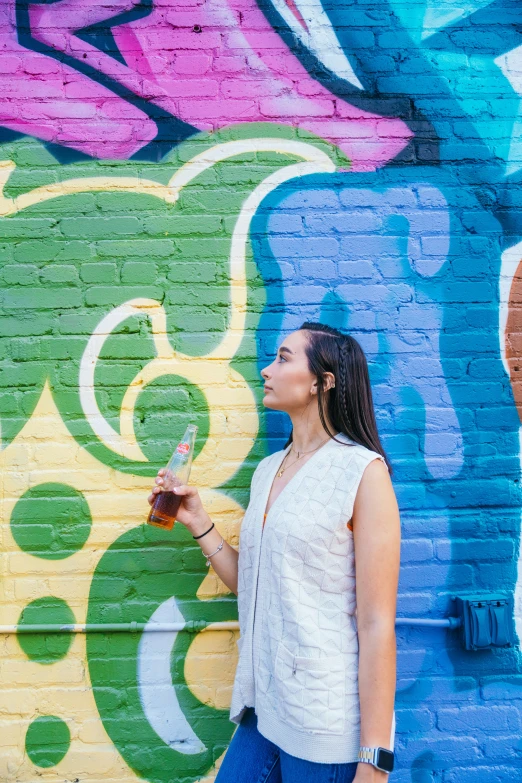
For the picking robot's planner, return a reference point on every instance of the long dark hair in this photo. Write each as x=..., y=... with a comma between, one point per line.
x=349, y=404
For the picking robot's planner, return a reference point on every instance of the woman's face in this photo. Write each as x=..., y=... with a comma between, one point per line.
x=289, y=384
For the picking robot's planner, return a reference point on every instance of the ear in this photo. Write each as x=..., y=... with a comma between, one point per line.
x=329, y=381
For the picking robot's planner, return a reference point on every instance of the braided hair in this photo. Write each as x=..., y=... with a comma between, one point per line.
x=349, y=404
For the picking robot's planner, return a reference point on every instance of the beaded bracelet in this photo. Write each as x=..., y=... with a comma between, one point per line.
x=205, y=533
x=213, y=553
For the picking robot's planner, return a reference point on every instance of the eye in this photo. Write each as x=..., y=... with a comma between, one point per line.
x=282, y=357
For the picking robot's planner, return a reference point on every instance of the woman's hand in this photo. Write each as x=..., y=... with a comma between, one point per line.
x=368, y=774
x=191, y=512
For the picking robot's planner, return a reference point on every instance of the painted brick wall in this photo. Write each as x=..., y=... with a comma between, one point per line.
x=184, y=184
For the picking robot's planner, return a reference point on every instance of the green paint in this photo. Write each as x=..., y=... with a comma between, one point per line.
x=51, y=647
x=142, y=569
x=67, y=262
x=47, y=740
x=161, y=416
x=51, y=521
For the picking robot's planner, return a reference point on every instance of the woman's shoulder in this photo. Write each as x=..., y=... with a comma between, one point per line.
x=349, y=452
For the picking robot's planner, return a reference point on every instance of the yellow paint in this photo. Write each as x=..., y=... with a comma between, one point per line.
x=210, y=666
x=45, y=451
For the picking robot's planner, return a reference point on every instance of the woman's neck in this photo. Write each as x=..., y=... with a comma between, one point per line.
x=308, y=435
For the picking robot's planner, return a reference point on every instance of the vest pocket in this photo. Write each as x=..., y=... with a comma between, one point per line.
x=310, y=691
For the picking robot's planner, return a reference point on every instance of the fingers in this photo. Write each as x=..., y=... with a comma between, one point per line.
x=186, y=491
x=154, y=491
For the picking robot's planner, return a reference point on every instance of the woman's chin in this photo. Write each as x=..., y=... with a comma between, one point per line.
x=268, y=403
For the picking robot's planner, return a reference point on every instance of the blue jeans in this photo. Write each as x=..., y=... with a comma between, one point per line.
x=251, y=758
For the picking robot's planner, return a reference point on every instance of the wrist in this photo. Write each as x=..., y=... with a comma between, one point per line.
x=377, y=761
x=368, y=774
x=200, y=525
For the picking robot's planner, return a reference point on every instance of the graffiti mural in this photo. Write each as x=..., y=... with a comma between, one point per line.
x=92, y=450
x=182, y=185
x=135, y=79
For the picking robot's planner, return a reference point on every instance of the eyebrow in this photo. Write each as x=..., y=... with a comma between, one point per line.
x=284, y=349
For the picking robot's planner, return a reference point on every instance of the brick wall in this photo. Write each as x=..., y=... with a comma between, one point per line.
x=184, y=184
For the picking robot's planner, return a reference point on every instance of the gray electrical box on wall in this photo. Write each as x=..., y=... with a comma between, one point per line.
x=487, y=621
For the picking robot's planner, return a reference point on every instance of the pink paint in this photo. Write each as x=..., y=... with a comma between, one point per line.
x=236, y=70
x=37, y=99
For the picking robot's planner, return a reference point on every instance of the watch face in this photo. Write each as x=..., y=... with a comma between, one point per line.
x=385, y=760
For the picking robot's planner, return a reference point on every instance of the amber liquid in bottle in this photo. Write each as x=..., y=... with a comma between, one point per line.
x=164, y=510
x=166, y=503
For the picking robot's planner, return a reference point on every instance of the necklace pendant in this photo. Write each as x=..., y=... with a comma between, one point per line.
x=280, y=474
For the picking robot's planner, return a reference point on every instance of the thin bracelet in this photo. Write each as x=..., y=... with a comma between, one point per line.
x=213, y=553
x=205, y=533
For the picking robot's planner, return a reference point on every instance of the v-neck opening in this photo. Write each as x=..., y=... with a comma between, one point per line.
x=274, y=474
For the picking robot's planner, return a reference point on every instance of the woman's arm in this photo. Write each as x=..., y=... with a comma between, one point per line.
x=376, y=530
x=192, y=514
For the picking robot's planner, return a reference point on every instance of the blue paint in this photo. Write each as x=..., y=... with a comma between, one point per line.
x=401, y=269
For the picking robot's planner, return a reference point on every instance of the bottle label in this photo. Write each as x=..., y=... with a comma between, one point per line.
x=183, y=448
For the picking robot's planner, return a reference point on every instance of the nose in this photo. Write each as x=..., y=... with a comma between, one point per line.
x=265, y=374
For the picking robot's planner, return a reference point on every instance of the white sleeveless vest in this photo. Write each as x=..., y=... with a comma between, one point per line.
x=298, y=647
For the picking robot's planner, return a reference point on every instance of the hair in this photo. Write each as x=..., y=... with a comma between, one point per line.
x=348, y=406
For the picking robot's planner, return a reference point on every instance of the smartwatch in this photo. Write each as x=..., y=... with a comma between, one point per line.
x=380, y=758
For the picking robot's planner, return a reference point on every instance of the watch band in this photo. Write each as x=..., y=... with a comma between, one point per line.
x=380, y=758
x=367, y=755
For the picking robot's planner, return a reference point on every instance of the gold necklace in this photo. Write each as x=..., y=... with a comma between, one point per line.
x=299, y=455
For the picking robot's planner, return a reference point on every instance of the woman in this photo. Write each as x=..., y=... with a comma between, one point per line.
x=315, y=680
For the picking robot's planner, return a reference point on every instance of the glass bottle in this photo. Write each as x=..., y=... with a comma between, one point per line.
x=166, y=504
